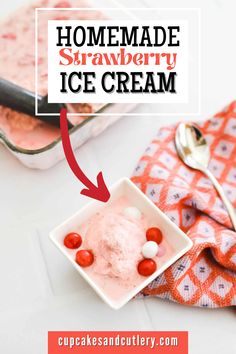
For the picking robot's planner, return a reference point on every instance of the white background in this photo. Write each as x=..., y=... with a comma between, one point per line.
x=40, y=291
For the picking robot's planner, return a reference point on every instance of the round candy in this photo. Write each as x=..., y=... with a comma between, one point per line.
x=133, y=213
x=150, y=249
x=154, y=234
x=147, y=267
x=84, y=258
x=73, y=240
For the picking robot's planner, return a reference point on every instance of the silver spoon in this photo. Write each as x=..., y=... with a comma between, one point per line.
x=193, y=149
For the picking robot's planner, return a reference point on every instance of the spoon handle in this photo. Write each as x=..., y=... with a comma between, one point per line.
x=223, y=196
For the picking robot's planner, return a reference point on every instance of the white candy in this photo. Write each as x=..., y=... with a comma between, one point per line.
x=133, y=213
x=150, y=249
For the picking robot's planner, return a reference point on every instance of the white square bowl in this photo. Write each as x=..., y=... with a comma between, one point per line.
x=124, y=187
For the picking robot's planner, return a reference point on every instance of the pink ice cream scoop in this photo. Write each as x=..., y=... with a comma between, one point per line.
x=116, y=236
x=116, y=243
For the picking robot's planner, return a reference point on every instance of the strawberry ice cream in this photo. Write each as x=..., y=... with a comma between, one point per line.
x=116, y=238
x=17, y=64
x=117, y=244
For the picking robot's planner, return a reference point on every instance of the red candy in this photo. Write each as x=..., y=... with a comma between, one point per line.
x=73, y=240
x=154, y=234
x=147, y=267
x=84, y=258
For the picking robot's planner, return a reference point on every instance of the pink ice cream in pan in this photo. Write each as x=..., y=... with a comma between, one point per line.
x=116, y=238
x=17, y=65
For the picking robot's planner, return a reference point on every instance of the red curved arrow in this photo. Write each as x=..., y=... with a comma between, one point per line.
x=99, y=192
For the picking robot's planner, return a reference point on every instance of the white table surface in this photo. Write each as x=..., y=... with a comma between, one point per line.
x=40, y=291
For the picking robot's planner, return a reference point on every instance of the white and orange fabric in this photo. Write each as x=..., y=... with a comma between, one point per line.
x=206, y=275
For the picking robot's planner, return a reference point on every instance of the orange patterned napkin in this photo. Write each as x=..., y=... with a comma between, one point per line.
x=206, y=275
